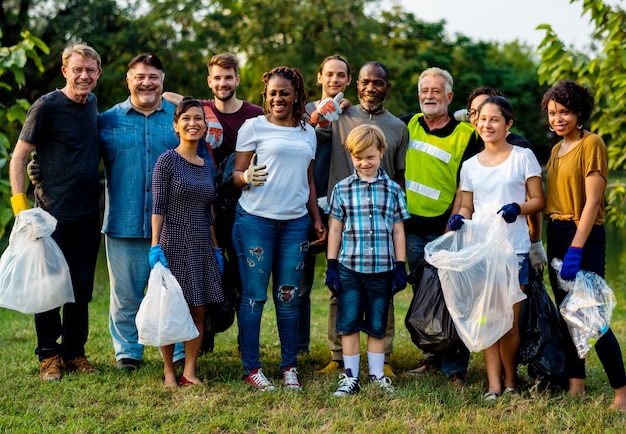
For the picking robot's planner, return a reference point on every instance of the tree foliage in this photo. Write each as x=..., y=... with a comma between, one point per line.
x=605, y=75
x=13, y=59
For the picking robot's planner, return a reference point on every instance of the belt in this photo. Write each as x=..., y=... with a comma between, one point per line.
x=560, y=218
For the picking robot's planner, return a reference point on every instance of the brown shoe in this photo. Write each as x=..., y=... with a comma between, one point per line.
x=81, y=365
x=50, y=368
x=457, y=380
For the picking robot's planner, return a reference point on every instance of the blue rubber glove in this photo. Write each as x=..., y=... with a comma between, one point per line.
x=571, y=262
x=332, y=277
x=156, y=255
x=399, y=278
x=220, y=259
x=510, y=212
x=455, y=222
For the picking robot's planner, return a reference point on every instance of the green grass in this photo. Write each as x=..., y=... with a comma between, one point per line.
x=116, y=402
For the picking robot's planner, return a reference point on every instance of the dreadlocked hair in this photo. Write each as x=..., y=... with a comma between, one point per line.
x=295, y=77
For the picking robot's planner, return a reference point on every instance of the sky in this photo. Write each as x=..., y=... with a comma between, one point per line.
x=507, y=20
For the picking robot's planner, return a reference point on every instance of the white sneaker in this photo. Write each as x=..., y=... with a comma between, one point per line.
x=348, y=385
x=257, y=379
x=384, y=383
x=290, y=379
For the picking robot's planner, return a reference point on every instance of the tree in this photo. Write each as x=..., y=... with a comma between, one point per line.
x=13, y=59
x=605, y=76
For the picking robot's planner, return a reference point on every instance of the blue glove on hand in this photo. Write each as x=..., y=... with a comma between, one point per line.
x=455, y=222
x=156, y=255
x=510, y=212
x=332, y=277
x=571, y=262
x=399, y=278
x=220, y=259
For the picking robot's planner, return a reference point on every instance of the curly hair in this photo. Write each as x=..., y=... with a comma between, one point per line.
x=573, y=96
x=295, y=77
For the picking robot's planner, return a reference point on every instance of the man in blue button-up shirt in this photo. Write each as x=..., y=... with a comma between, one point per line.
x=133, y=134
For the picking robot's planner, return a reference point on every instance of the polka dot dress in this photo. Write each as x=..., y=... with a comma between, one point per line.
x=183, y=193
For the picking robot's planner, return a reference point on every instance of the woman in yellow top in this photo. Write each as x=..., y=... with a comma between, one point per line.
x=577, y=174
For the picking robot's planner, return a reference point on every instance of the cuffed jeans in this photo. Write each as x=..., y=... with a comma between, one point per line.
x=129, y=270
x=266, y=246
x=79, y=242
x=450, y=363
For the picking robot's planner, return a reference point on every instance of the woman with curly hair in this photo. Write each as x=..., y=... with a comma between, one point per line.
x=577, y=174
x=274, y=168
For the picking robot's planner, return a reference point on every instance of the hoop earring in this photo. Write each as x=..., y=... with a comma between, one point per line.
x=580, y=127
x=551, y=129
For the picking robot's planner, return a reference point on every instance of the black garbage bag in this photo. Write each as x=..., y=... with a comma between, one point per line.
x=428, y=320
x=219, y=317
x=541, y=345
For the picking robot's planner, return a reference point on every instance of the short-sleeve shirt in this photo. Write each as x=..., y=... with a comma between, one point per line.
x=65, y=136
x=565, y=186
x=495, y=186
x=368, y=211
x=287, y=153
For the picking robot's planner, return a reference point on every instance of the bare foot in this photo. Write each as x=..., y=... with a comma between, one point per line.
x=170, y=382
x=576, y=387
x=619, y=403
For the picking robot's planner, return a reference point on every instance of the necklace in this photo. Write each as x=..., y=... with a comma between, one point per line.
x=378, y=110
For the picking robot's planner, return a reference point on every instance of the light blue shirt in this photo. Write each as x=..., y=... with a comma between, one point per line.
x=130, y=144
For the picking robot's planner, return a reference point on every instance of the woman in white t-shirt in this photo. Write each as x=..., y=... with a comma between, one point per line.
x=506, y=176
x=274, y=168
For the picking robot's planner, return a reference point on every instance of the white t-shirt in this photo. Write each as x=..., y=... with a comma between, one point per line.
x=287, y=152
x=496, y=186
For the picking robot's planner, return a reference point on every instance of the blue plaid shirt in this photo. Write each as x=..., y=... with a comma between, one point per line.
x=368, y=210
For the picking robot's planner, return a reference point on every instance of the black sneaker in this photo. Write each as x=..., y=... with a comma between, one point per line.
x=348, y=385
x=129, y=365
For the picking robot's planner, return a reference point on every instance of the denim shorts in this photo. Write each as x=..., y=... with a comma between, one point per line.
x=363, y=302
x=524, y=268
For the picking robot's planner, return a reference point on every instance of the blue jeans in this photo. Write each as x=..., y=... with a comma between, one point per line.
x=127, y=261
x=363, y=302
x=450, y=363
x=266, y=246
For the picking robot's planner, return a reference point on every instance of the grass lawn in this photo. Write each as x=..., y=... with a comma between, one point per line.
x=116, y=402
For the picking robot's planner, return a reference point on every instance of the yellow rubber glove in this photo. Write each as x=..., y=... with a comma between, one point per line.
x=19, y=203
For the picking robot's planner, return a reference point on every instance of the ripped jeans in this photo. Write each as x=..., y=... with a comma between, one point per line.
x=267, y=246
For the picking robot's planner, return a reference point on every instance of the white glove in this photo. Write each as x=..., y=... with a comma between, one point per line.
x=537, y=256
x=328, y=110
x=255, y=174
x=462, y=115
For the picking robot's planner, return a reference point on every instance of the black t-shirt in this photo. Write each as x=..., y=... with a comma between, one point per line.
x=65, y=136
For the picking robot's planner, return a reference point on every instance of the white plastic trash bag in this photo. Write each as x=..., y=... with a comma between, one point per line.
x=587, y=308
x=478, y=270
x=164, y=317
x=34, y=275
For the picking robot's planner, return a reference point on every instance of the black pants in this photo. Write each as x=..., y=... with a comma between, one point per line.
x=80, y=243
x=559, y=236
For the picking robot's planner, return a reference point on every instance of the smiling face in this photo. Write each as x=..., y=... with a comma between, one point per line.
x=333, y=78
x=190, y=125
x=562, y=120
x=81, y=76
x=492, y=125
x=223, y=82
x=367, y=162
x=280, y=96
x=473, y=110
x=145, y=83
x=372, y=87
x=432, y=95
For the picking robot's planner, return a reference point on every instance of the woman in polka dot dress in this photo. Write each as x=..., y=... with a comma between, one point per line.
x=183, y=227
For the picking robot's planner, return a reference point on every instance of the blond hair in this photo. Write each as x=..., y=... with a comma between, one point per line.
x=364, y=136
x=84, y=50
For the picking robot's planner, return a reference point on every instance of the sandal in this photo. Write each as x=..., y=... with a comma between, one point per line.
x=510, y=391
x=490, y=397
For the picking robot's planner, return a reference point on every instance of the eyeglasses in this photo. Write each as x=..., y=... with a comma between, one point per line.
x=90, y=71
x=473, y=113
